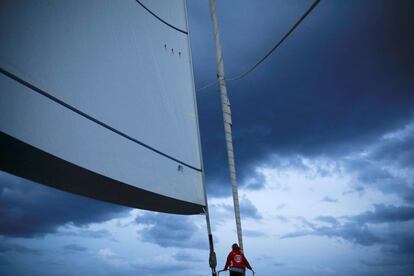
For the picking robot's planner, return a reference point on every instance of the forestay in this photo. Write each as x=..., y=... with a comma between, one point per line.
x=97, y=98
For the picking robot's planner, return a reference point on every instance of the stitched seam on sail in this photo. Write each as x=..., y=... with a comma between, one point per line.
x=83, y=114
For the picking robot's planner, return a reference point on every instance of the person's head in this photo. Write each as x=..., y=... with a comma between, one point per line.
x=235, y=246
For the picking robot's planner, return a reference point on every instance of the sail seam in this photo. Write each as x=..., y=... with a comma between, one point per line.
x=83, y=114
x=160, y=19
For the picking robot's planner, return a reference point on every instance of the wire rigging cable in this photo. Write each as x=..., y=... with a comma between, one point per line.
x=277, y=44
x=207, y=85
x=160, y=19
x=242, y=75
x=83, y=114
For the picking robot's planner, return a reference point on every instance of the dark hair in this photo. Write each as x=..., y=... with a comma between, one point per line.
x=235, y=246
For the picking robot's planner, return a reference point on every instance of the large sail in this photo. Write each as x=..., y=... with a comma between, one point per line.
x=97, y=98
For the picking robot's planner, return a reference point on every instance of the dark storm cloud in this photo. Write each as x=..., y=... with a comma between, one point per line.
x=85, y=233
x=398, y=255
x=387, y=262
x=18, y=248
x=343, y=78
x=28, y=209
x=387, y=225
x=378, y=176
x=49, y=263
x=247, y=210
x=4, y=262
x=400, y=239
x=386, y=169
x=168, y=230
x=384, y=214
x=256, y=181
x=352, y=232
x=398, y=151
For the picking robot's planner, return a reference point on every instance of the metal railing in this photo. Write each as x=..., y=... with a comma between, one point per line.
x=220, y=271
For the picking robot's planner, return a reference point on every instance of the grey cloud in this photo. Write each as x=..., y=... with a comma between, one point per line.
x=282, y=218
x=294, y=162
x=49, y=263
x=400, y=240
x=304, y=222
x=351, y=232
x=221, y=213
x=74, y=248
x=247, y=209
x=168, y=230
x=397, y=185
x=86, y=233
x=28, y=209
x=328, y=219
x=4, y=262
x=364, y=228
x=375, y=175
x=369, y=172
x=387, y=262
x=324, y=271
x=382, y=168
x=297, y=234
x=329, y=199
x=256, y=181
x=398, y=150
x=385, y=214
x=281, y=206
x=253, y=233
x=390, y=265
x=187, y=257
x=18, y=248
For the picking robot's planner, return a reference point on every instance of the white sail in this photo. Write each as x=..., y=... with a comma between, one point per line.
x=97, y=98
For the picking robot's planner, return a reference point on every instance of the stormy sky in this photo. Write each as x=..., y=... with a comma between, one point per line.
x=324, y=136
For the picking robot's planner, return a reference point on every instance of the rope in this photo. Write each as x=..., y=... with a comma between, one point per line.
x=278, y=43
x=207, y=85
x=270, y=52
x=90, y=118
x=160, y=19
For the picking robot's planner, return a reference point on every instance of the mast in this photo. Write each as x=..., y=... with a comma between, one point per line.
x=212, y=260
x=225, y=105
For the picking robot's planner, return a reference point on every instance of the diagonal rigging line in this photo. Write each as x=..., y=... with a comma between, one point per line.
x=277, y=44
x=83, y=114
x=210, y=84
x=242, y=75
x=160, y=19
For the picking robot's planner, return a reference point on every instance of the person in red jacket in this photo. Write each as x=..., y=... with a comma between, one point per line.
x=236, y=262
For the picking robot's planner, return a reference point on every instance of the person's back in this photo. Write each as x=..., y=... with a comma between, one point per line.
x=236, y=262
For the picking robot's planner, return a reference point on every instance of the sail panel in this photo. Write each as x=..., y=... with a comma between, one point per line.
x=110, y=59
x=116, y=63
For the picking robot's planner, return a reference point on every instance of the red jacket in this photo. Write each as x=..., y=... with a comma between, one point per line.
x=236, y=259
